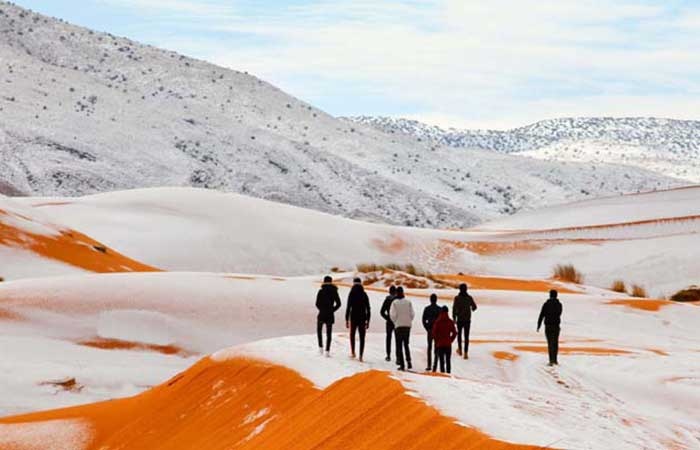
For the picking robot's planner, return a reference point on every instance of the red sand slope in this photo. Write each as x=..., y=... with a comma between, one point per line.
x=244, y=404
x=504, y=284
x=70, y=247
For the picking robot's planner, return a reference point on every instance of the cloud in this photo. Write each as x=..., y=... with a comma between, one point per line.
x=502, y=61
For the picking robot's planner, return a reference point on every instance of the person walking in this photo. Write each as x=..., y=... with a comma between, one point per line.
x=462, y=309
x=551, y=315
x=444, y=333
x=357, y=315
x=430, y=314
x=384, y=312
x=327, y=303
x=402, y=314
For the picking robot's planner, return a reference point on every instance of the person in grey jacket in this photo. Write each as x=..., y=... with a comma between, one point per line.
x=402, y=315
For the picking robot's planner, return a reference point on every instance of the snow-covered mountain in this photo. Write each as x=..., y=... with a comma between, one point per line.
x=665, y=146
x=83, y=112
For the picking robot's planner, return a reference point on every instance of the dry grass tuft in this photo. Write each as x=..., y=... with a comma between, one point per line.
x=691, y=294
x=407, y=268
x=618, y=286
x=567, y=272
x=638, y=291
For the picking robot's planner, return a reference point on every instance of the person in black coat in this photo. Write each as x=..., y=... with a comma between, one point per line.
x=327, y=303
x=462, y=309
x=430, y=314
x=384, y=312
x=357, y=315
x=551, y=315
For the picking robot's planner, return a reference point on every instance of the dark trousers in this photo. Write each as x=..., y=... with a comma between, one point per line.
x=552, y=333
x=362, y=329
x=463, y=327
x=444, y=355
x=403, y=335
x=430, y=350
x=389, y=334
x=329, y=330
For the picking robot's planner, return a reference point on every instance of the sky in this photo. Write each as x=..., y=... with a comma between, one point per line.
x=454, y=63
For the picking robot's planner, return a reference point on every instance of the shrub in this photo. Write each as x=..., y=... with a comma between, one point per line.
x=567, y=272
x=691, y=294
x=618, y=286
x=410, y=269
x=1, y=279
x=638, y=291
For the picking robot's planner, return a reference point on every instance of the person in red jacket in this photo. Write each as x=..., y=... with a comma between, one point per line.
x=444, y=334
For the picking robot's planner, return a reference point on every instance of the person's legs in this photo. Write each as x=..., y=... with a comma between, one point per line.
x=556, y=332
x=399, y=348
x=448, y=359
x=460, y=326
x=406, y=350
x=552, y=334
x=353, y=328
x=430, y=350
x=441, y=357
x=319, y=326
x=435, y=360
x=329, y=333
x=362, y=329
x=467, y=327
x=389, y=334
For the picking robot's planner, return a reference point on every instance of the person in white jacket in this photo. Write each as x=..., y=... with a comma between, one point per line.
x=402, y=315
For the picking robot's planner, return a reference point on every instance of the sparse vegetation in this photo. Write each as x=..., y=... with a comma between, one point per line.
x=618, y=286
x=638, y=291
x=691, y=294
x=567, y=272
x=407, y=268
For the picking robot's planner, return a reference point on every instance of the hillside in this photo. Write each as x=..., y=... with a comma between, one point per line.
x=83, y=112
x=663, y=146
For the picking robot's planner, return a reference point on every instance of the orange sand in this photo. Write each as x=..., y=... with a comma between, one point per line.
x=390, y=246
x=245, y=404
x=574, y=350
x=70, y=247
x=643, y=304
x=6, y=314
x=118, y=344
x=506, y=356
x=487, y=248
x=504, y=284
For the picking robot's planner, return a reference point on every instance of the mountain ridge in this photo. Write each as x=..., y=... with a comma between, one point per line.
x=84, y=112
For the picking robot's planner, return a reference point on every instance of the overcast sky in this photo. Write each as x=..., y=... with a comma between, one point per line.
x=463, y=63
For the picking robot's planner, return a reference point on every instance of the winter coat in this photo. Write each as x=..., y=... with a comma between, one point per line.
x=384, y=312
x=430, y=314
x=357, y=310
x=401, y=313
x=444, y=331
x=550, y=313
x=327, y=302
x=462, y=307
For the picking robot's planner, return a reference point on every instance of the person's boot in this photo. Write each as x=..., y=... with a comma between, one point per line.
x=550, y=364
x=320, y=351
x=466, y=355
x=410, y=366
x=388, y=358
x=352, y=355
x=361, y=359
x=328, y=353
x=459, y=351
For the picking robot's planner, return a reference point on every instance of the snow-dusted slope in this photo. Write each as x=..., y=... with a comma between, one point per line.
x=665, y=146
x=63, y=328
x=201, y=230
x=84, y=112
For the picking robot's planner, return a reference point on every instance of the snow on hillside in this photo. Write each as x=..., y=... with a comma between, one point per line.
x=83, y=112
x=664, y=146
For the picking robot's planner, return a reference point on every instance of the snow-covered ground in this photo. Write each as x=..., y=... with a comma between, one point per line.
x=200, y=230
x=628, y=366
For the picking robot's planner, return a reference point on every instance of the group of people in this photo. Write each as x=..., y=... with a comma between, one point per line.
x=398, y=313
